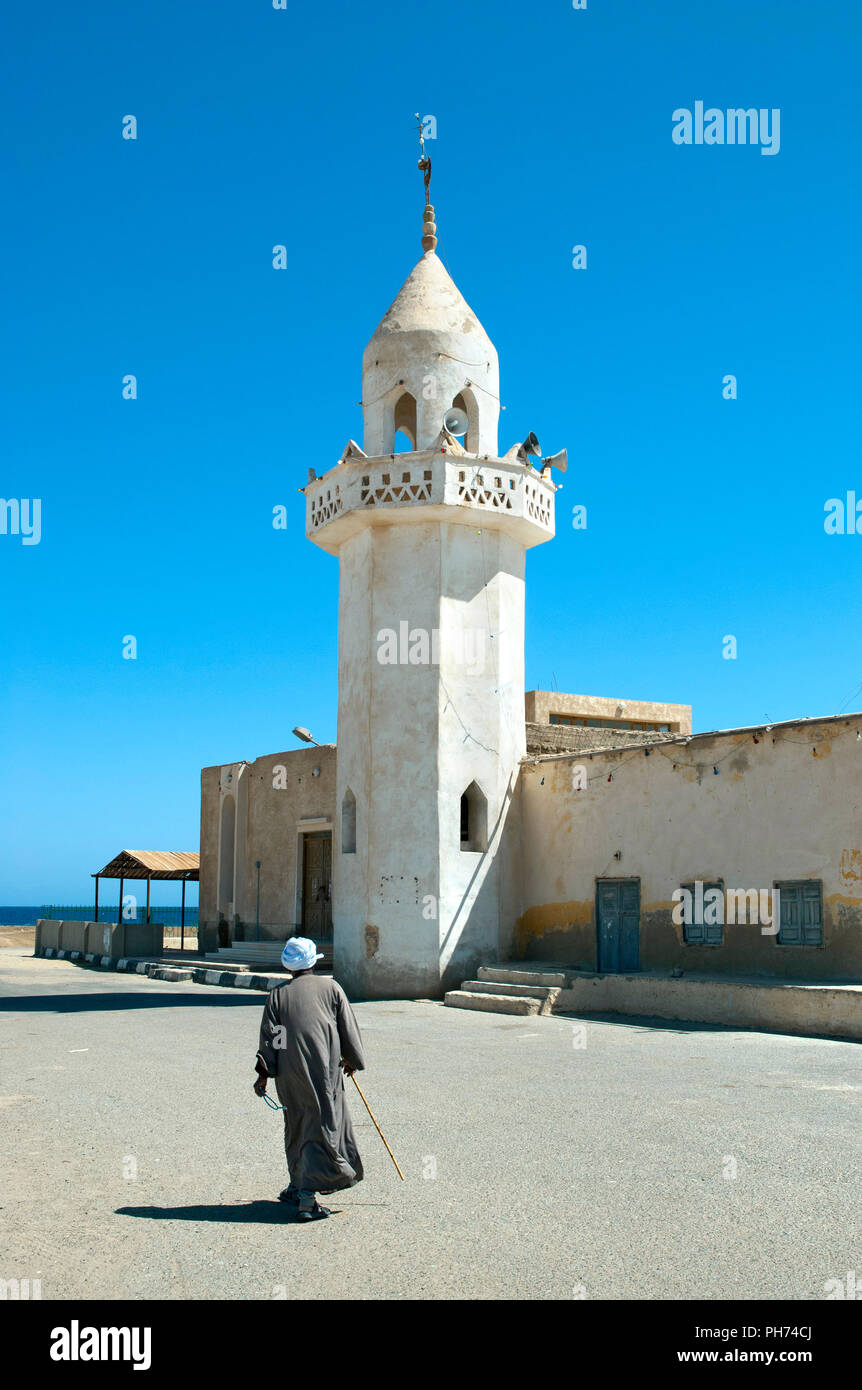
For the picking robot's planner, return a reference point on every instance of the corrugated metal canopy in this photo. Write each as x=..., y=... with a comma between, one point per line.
x=153, y=863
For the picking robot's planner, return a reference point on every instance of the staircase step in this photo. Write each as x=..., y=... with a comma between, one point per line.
x=493, y=1003
x=274, y=948
x=245, y=952
x=257, y=950
x=242, y=953
x=497, y=987
x=505, y=975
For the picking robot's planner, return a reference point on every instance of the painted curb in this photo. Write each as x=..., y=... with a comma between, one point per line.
x=172, y=974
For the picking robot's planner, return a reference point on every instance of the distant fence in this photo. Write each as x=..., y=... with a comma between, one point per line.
x=169, y=916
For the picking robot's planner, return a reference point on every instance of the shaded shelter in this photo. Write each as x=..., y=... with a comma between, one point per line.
x=160, y=864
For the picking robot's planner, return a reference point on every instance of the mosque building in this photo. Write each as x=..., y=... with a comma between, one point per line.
x=462, y=823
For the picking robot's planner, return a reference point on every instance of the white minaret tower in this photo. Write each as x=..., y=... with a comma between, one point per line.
x=431, y=544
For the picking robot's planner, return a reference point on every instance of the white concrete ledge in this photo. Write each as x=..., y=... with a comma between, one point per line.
x=493, y=1003
x=809, y=1009
x=512, y=975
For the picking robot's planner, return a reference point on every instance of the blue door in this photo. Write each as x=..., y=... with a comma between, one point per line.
x=618, y=912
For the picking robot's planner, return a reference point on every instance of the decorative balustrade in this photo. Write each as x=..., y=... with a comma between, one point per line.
x=435, y=480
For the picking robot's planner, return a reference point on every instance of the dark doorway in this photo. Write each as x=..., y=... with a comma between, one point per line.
x=618, y=913
x=317, y=885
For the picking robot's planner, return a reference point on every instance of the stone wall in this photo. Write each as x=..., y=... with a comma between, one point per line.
x=745, y=808
x=565, y=738
x=277, y=799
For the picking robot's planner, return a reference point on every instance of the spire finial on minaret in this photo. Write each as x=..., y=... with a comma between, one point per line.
x=429, y=226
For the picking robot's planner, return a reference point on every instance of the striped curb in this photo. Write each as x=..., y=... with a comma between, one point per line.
x=156, y=970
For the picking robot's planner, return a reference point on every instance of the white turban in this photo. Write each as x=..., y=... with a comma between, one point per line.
x=300, y=954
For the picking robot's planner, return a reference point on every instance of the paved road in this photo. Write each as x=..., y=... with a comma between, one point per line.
x=534, y=1168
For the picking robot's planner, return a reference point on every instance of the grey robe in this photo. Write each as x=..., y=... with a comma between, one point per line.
x=319, y=1030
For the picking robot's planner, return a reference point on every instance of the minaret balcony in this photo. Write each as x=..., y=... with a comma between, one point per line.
x=429, y=485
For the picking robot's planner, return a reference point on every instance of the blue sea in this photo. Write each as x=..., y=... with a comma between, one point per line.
x=29, y=916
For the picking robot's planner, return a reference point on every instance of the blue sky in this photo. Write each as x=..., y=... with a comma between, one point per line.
x=154, y=257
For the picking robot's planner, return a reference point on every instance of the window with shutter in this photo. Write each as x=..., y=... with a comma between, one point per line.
x=801, y=913
x=706, y=933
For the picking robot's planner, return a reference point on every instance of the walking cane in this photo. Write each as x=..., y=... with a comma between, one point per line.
x=377, y=1127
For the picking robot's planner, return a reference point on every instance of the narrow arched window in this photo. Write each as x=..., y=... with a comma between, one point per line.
x=348, y=823
x=466, y=401
x=474, y=819
x=405, y=424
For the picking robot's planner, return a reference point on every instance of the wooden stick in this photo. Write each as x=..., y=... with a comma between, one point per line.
x=377, y=1127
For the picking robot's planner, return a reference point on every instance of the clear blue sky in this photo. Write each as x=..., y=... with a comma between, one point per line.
x=154, y=257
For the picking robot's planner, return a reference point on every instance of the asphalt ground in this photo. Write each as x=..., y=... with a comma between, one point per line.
x=602, y=1158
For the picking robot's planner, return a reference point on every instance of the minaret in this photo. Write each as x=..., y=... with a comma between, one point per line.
x=431, y=544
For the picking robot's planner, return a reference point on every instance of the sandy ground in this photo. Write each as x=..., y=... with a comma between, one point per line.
x=18, y=936
x=636, y=1160
x=25, y=938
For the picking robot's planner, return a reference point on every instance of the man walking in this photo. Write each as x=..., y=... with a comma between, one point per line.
x=308, y=1034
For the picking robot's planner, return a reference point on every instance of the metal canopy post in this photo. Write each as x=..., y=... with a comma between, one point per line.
x=120, y=908
x=183, y=919
x=148, y=899
x=96, y=914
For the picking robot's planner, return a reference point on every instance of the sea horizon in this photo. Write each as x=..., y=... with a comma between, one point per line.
x=28, y=916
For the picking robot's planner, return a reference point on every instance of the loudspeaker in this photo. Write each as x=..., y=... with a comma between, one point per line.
x=531, y=444
x=455, y=421
x=558, y=461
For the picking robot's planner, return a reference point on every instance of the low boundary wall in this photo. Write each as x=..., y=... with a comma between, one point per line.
x=815, y=1009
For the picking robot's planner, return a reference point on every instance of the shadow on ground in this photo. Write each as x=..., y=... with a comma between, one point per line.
x=238, y=1213
x=82, y=1003
x=650, y=1023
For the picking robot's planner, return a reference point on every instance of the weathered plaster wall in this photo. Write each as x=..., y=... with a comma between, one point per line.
x=774, y=811
x=412, y=910
x=273, y=809
x=481, y=739
x=387, y=719
x=277, y=816
x=208, y=892
x=429, y=332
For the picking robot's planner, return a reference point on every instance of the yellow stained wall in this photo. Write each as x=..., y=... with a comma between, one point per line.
x=786, y=807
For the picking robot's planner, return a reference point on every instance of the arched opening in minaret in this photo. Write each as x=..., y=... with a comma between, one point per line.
x=348, y=823
x=474, y=819
x=466, y=401
x=405, y=424
x=227, y=853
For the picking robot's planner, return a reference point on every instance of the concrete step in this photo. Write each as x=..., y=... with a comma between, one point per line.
x=239, y=959
x=507, y=975
x=498, y=987
x=272, y=948
x=546, y=994
x=257, y=952
x=241, y=953
x=523, y=1005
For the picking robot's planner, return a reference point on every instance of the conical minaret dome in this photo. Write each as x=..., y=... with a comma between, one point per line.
x=428, y=354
